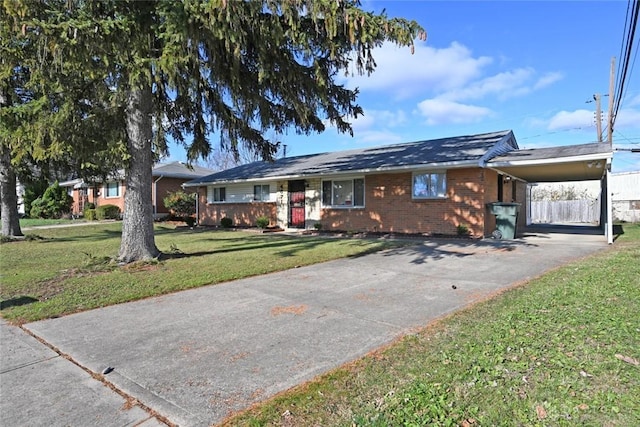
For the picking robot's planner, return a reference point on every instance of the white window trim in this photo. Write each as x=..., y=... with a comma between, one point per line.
x=428, y=172
x=346, y=178
x=262, y=187
x=106, y=190
x=211, y=194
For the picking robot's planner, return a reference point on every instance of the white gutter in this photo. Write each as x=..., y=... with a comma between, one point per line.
x=609, y=218
x=155, y=195
x=197, y=206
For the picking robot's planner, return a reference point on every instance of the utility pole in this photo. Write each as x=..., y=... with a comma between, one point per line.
x=596, y=98
x=611, y=118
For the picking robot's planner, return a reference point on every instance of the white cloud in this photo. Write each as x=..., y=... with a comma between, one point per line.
x=379, y=119
x=503, y=85
x=571, y=120
x=441, y=111
x=429, y=68
x=627, y=119
x=547, y=80
x=382, y=137
x=452, y=73
x=450, y=78
x=634, y=101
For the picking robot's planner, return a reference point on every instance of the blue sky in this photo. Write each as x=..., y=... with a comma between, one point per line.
x=492, y=65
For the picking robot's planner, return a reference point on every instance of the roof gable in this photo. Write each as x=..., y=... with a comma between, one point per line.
x=466, y=150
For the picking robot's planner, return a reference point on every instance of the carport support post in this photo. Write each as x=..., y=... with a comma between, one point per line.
x=608, y=195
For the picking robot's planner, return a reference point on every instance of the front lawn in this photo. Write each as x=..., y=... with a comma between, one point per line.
x=60, y=271
x=38, y=222
x=561, y=350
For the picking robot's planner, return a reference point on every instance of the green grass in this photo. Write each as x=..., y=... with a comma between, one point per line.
x=559, y=350
x=54, y=272
x=36, y=222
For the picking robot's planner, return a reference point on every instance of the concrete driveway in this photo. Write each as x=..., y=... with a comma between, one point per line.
x=196, y=356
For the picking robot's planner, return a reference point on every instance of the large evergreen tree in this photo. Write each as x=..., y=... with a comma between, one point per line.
x=241, y=69
x=55, y=117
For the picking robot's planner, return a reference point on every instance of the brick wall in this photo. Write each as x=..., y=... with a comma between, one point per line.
x=390, y=207
x=490, y=195
x=101, y=200
x=163, y=188
x=242, y=214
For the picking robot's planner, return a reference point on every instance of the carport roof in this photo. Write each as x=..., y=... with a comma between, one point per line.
x=583, y=162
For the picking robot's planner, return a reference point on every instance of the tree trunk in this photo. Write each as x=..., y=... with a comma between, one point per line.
x=8, y=195
x=138, y=241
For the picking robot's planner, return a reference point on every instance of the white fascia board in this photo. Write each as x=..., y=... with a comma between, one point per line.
x=579, y=158
x=236, y=181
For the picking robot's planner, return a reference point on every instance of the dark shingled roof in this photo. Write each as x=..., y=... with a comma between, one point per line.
x=470, y=149
x=180, y=170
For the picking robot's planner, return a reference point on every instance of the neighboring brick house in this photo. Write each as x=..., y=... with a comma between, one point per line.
x=427, y=187
x=167, y=177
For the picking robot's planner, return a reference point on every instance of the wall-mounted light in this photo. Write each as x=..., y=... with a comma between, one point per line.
x=281, y=187
x=306, y=183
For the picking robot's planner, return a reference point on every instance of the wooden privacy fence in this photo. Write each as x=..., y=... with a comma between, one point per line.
x=583, y=211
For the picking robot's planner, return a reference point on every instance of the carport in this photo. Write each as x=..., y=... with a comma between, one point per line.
x=585, y=162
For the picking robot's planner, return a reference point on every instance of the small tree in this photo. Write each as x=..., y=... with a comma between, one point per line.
x=33, y=191
x=54, y=203
x=181, y=204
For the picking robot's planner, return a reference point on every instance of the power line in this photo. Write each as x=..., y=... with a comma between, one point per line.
x=626, y=138
x=628, y=48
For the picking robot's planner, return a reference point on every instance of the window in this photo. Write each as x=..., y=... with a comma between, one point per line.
x=112, y=189
x=429, y=185
x=344, y=192
x=216, y=194
x=261, y=193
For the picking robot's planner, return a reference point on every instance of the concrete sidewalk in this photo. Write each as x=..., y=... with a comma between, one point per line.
x=196, y=356
x=38, y=387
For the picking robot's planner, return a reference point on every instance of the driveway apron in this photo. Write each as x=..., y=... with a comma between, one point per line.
x=199, y=355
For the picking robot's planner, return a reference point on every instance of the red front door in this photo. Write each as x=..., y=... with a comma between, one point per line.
x=296, y=204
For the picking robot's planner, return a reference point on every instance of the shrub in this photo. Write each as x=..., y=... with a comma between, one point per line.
x=226, y=222
x=181, y=204
x=191, y=221
x=107, y=212
x=262, y=222
x=89, y=214
x=462, y=230
x=32, y=191
x=89, y=205
x=317, y=226
x=54, y=203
